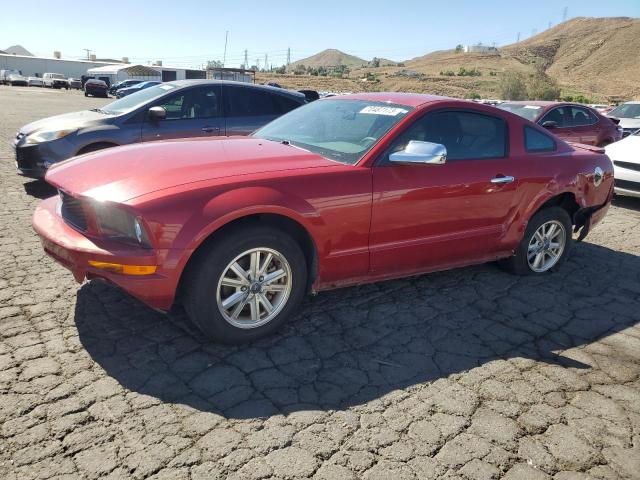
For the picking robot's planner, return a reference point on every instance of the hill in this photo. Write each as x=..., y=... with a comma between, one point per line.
x=331, y=58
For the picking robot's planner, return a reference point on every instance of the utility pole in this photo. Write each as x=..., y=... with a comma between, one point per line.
x=565, y=11
x=288, y=57
x=246, y=59
x=88, y=53
x=224, y=57
x=265, y=61
x=257, y=64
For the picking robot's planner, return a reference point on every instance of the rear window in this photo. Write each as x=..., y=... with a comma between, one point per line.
x=536, y=141
x=530, y=112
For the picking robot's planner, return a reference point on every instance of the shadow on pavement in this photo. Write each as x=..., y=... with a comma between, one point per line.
x=630, y=203
x=39, y=189
x=351, y=346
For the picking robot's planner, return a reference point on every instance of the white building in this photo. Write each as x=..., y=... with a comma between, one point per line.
x=37, y=66
x=480, y=49
x=113, y=71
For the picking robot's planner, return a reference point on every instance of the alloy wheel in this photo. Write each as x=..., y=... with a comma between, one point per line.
x=546, y=246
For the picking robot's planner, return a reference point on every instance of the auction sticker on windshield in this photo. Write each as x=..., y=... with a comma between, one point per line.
x=379, y=110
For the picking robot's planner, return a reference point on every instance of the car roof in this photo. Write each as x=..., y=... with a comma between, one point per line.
x=185, y=83
x=406, y=99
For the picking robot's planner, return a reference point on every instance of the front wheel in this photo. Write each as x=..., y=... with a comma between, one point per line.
x=245, y=284
x=545, y=245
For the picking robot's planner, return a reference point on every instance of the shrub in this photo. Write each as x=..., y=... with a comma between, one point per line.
x=512, y=86
x=473, y=96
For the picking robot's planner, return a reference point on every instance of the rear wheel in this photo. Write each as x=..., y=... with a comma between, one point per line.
x=245, y=284
x=545, y=245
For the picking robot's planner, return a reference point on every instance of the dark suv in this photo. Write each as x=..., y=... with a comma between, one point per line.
x=185, y=108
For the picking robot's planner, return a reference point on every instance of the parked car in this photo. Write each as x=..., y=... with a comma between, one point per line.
x=4, y=75
x=571, y=122
x=185, y=108
x=123, y=92
x=96, y=88
x=123, y=84
x=75, y=83
x=55, y=80
x=17, y=80
x=625, y=155
x=341, y=191
x=629, y=116
x=35, y=82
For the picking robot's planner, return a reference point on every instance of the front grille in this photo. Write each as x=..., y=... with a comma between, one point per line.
x=627, y=185
x=627, y=165
x=72, y=212
x=25, y=158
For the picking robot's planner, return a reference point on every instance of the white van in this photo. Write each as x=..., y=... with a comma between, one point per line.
x=55, y=80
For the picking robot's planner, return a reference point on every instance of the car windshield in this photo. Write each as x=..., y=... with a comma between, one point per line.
x=627, y=110
x=130, y=102
x=58, y=75
x=343, y=130
x=530, y=112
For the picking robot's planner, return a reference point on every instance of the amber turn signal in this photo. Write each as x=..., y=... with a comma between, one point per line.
x=124, y=269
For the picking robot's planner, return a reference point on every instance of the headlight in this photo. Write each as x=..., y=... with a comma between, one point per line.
x=119, y=224
x=48, y=135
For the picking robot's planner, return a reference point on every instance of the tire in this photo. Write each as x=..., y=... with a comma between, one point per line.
x=202, y=293
x=520, y=264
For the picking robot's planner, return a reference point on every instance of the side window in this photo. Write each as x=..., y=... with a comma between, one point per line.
x=249, y=102
x=193, y=104
x=582, y=117
x=284, y=104
x=561, y=115
x=536, y=141
x=466, y=135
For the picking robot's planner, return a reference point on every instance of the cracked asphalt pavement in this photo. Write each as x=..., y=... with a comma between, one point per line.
x=466, y=374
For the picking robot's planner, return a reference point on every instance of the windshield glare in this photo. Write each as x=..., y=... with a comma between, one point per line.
x=343, y=130
x=627, y=110
x=130, y=102
x=530, y=112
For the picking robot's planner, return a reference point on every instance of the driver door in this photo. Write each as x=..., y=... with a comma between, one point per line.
x=438, y=216
x=192, y=112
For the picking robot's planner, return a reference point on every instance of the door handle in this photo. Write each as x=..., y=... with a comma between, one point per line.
x=210, y=129
x=502, y=179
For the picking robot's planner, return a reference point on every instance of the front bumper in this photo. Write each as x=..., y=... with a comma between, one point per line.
x=627, y=178
x=33, y=160
x=73, y=250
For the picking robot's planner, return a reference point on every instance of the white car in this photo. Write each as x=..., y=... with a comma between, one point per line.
x=625, y=156
x=629, y=115
x=55, y=80
x=17, y=80
x=34, y=82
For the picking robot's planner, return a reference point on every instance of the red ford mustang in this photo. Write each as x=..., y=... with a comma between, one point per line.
x=342, y=191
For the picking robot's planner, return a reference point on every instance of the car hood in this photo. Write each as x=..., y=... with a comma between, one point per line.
x=626, y=150
x=64, y=121
x=123, y=173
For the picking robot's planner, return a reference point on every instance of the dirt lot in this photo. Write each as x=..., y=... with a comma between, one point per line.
x=468, y=374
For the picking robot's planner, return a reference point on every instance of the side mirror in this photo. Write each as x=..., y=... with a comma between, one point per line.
x=417, y=152
x=550, y=124
x=157, y=113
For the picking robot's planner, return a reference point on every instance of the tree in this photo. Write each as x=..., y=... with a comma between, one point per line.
x=459, y=48
x=513, y=86
x=375, y=63
x=214, y=64
x=542, y=86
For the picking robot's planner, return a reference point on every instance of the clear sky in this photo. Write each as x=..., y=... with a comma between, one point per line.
x=190, y=32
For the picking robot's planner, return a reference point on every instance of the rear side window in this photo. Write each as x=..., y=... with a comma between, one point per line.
x=466, y=135
x=536, y=141
x=284, y=104
x=582, y=117
x=249, y=102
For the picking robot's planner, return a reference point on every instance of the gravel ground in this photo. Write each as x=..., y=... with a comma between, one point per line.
x=471, y=373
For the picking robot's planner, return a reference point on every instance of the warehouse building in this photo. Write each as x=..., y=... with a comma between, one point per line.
x=109, y=70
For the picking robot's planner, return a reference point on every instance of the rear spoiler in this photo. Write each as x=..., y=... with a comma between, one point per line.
x=590, y=148
x=615, y=120
x=310, y=95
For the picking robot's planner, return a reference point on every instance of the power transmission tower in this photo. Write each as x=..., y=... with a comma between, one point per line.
x=246, y=59
x=518, y=37
x=224, y=57
x=257, y=64
x=549, y=25
x=565, y=11
x=88, y=53
x=288, y=57
x=265, y=61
